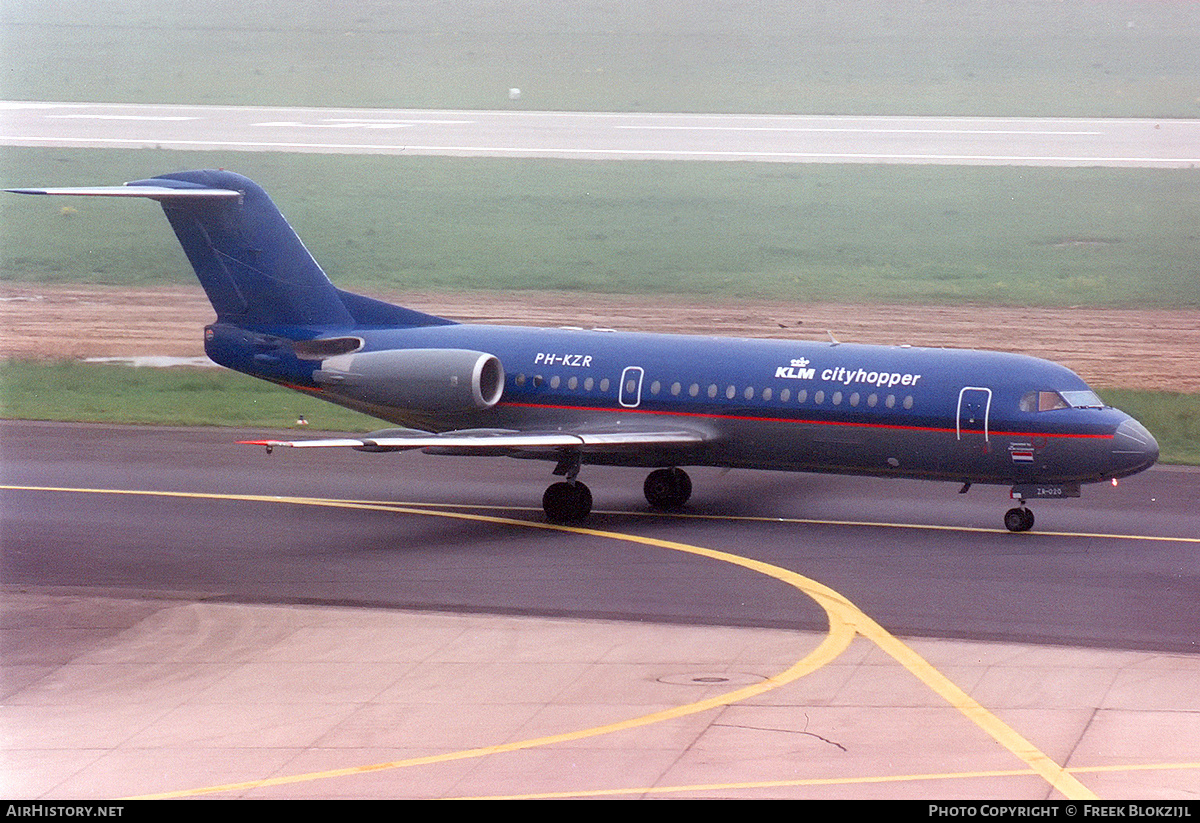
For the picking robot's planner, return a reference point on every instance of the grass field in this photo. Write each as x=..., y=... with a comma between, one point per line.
x=1018, y=57
x=102, y=393
x=924, y=234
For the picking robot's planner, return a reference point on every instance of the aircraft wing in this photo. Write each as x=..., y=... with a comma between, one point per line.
x=500, y=441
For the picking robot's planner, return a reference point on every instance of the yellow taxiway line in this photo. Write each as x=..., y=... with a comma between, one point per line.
x=846, y=621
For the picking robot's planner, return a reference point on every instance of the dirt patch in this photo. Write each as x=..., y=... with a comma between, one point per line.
x=1108, y=347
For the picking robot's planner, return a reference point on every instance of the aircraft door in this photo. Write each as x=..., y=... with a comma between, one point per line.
x=974, y=412
x=631, y=387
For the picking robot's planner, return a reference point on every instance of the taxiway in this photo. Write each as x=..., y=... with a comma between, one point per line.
x=177, y=620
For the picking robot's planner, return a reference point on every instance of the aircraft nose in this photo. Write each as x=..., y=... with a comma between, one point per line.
x=1134, y=448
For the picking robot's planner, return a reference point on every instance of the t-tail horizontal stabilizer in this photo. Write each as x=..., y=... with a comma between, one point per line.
x=253, y=267
x=142, y=188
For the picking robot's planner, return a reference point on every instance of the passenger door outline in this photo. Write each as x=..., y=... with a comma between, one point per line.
x=972, y=399
x=630, y=395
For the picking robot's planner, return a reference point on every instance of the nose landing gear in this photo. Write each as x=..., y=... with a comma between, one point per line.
x=1019, y=519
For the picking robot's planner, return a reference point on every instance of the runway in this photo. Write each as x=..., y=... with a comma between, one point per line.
x=1162, y=143
x=216, y=598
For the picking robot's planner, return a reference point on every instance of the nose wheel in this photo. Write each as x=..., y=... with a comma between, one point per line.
x=1018, y=520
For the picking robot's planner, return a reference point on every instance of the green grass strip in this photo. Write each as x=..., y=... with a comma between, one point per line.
x=809, y=233
x=104, y=393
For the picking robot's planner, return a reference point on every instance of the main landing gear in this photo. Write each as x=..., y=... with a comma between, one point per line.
x=570, y=501
x=1019, y=519
x=567, y=501
x=667, y=488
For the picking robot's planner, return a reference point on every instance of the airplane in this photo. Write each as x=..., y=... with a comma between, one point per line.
x=577, y=397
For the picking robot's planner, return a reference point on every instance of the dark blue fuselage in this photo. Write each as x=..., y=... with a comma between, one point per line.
x=898, y=411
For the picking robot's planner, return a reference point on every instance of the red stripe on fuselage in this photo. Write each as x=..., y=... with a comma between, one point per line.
x=753, y=418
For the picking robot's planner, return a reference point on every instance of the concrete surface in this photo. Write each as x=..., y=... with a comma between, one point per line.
x=111, y=697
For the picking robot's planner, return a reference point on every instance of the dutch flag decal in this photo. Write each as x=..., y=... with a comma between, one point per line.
x=1021, y=452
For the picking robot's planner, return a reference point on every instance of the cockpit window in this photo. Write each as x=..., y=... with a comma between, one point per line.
x=1040, y=401
x=1083, y=399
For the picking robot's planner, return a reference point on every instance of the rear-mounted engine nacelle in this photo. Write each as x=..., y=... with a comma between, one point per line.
x=431, y=379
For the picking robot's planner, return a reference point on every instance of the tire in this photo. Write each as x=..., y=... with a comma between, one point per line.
x=566, y=502
x=667, y=488
x=1018, y=520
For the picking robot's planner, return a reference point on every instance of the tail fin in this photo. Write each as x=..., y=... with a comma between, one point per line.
x=252, y=265
x=250, y=262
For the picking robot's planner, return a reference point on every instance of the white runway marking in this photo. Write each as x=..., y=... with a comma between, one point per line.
x=618, y=136
x=851, y=130
x=150, y=118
